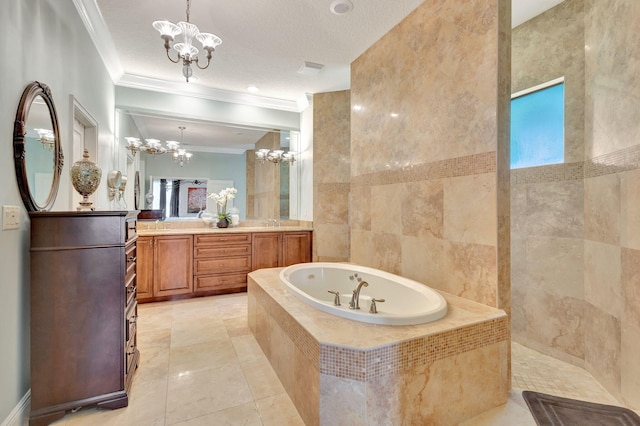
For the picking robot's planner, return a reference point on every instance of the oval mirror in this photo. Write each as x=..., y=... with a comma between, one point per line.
x=36, y=148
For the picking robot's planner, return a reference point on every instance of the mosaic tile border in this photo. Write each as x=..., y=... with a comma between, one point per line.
x=615, y=162
x=454, y=167
x=365, y=365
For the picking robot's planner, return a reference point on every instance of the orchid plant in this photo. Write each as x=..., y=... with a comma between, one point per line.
x=221, y=199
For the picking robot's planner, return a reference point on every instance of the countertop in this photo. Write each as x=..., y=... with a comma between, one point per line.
x=236, y=230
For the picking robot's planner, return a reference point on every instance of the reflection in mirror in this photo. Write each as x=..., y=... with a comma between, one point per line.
x=37, y=152
x=184, y=198
x=221, y=151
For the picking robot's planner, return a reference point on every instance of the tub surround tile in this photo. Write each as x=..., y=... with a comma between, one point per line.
x=354, y=360
x=422, y=209
x=423, y=260
x=471, y=271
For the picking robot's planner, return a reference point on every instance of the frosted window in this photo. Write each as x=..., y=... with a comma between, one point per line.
x=537, y=128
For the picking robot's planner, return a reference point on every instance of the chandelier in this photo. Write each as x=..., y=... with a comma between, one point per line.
x=275, y=156
x=180, y=155
x=47, y=138
x=186, y=51
x=154, y=147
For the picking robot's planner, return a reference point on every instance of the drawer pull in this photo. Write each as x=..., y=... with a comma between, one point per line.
x=224, y=239
x=131, y=289
x=131, y=259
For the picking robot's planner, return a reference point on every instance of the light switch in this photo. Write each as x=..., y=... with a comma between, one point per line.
x=10, y=217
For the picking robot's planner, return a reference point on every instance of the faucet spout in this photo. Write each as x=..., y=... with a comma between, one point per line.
x=355, y=298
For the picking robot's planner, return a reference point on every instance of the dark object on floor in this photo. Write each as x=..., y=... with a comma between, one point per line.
x=550, y=410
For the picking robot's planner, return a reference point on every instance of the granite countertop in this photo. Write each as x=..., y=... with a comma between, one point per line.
x=236, y=230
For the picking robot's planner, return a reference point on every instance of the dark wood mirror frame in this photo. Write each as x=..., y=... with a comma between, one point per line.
x=33, y=90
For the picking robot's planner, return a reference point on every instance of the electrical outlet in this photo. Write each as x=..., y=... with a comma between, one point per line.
x=10, y=217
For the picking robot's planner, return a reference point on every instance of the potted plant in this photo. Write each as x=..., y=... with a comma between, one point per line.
x=221, y=198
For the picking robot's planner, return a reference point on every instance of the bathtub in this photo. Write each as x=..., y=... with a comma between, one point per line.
x=407, y=302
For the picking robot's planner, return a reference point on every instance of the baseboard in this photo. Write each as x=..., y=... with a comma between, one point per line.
x=20, y=412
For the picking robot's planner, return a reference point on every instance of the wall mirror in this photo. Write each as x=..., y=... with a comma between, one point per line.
x=221, y=152
x=36, y=147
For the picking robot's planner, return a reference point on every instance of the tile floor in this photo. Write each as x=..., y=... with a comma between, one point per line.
x=200, y=365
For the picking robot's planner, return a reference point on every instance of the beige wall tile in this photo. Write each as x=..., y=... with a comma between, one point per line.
x=470, y=214
x=602, y=351
x=555, y=265
x=602, y=285
x=422, y=260
x=629, y=365
x=630, y=215
x=556, y=322
x=602, y=209
x=387, y=216
x=331, y=241
x=630, y=276
x=470, y=271
x=342, y=401
x=423, y=208
x=555, y=209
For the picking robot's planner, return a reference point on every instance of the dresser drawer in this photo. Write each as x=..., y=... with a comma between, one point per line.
x=223, y=251
x=222, y=239
x=130, y=258
x=222, y=265
x=220, y=282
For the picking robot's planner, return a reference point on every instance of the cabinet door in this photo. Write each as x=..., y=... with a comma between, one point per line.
x=296, y=248
x=265, y=250
x=144, y=267
x=173, y=265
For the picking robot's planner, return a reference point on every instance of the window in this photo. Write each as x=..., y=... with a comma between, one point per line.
x=537, y=125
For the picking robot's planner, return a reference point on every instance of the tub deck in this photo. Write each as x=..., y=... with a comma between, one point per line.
x=339, y=371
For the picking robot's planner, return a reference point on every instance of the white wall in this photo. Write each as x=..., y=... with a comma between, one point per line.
x=44, y=40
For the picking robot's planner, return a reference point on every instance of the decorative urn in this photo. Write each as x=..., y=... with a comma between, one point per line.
x=85, y=177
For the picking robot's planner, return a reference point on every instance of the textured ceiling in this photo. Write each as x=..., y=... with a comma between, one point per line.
x=264, y=42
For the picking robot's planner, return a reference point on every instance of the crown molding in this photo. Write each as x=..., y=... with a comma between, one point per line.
x=99, y=33
x=202, y=92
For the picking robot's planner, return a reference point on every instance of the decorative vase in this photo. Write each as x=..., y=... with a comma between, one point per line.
x=85, y=177
x=223, y=223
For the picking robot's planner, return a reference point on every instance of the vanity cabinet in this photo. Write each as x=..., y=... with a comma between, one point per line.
x=221, y=263
x=186, y=265
x=165, y=267
x=145, y=268
x=277, y=249
x=83, y=311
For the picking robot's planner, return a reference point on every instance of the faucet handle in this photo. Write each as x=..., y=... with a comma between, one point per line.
x=336, y=300
x=373, y=308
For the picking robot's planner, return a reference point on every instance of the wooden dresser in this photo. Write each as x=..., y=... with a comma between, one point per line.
x=83, y=311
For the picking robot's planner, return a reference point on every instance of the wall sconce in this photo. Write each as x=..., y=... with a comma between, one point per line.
x=47, y=138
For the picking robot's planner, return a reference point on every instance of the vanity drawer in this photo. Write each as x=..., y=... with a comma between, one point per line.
x=213, y=251
x=220, y=282
x=130, y=257
x=222, y=265
x=222, y=239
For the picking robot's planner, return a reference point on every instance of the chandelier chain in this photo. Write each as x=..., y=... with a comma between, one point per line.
x=188, y=9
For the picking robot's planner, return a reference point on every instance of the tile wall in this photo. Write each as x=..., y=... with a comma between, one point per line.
x=576, y=233
x=264, y=190
x=331, y=176
x=429, y=147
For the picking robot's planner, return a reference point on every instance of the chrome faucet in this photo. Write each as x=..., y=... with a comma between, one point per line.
x=355, y=298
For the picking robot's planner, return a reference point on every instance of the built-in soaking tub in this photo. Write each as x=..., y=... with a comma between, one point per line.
x=406, y=302
x=339, y=371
